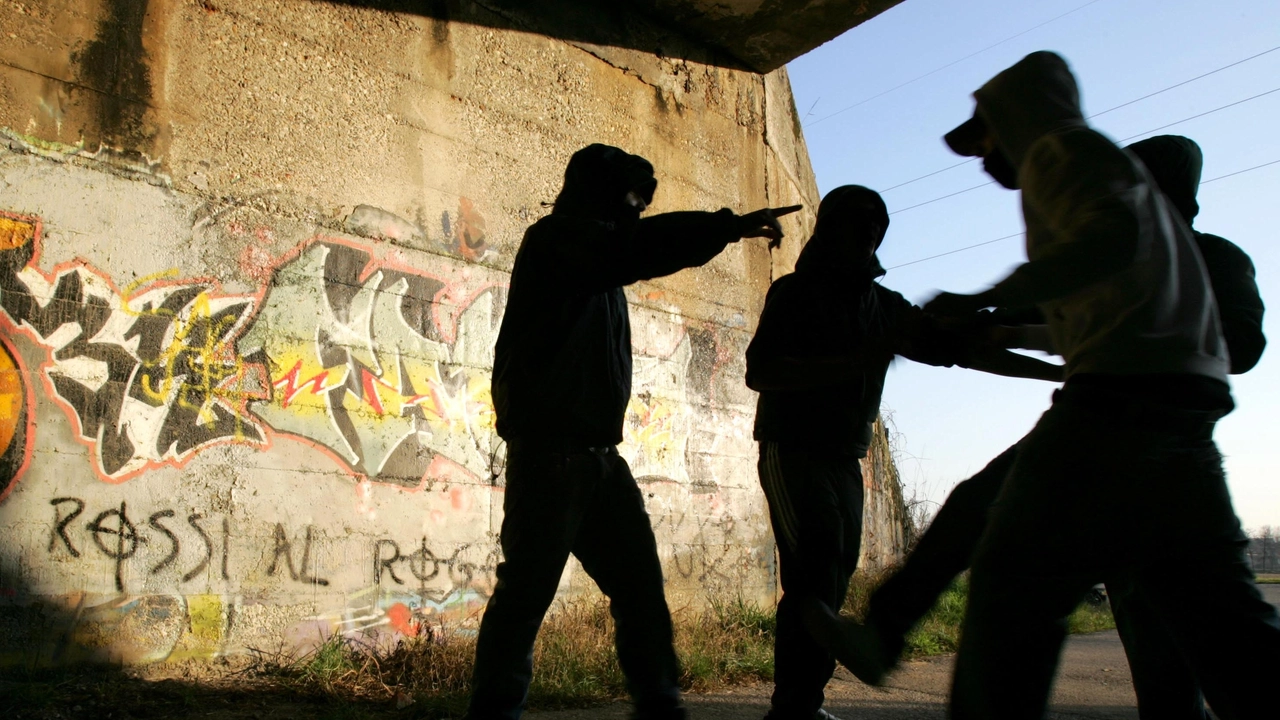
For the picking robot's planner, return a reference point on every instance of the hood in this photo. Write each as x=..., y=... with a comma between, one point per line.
x=598, y=179
x=1034, y=97
x=1175, y=163
x=817, y=254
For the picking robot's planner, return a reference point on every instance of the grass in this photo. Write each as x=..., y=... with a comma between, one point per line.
x=730, y=643
x=939, y=632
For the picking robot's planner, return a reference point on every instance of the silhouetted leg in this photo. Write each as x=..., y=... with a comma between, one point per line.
x=1035, y=562
x=815, y=504
x=546, y=496
x=1162, y=679
x=616, y=547
x=942, y=553
x=1228, y=634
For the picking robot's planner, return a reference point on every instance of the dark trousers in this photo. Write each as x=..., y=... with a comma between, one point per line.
x=1163, y=682
x=1107, y=489
x=586, y=503
x=815, y=504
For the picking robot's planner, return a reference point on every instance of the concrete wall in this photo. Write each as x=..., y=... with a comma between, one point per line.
x=253, y=257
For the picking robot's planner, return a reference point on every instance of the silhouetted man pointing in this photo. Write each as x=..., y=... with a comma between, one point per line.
x=562, y=380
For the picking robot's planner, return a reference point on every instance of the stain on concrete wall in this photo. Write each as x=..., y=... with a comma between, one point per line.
x=247, y=325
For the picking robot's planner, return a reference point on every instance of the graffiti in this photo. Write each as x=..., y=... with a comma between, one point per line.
x=125, y=543
x=284, y=549
x=60, y=523
x=424, y=566
x=465, y=236
x=149, y=375
x=656, y=427
x=16, y=417
x=382, y=365
x=118, y=539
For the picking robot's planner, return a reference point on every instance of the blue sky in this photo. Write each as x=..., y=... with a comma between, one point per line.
x=952, y=421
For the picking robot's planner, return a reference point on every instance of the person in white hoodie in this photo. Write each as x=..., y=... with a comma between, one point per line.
x=1121, y=477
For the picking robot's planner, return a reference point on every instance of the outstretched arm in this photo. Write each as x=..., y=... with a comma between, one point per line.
x=999, y=361
x=597, y=256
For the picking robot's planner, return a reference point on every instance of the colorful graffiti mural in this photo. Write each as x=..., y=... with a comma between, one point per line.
x=380, y=364
x=383, y=365
x=149, y=375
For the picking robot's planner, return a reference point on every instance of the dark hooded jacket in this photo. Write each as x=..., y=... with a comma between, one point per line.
x=1175, y=163
x=822, y=311
x=1119, y=280
x=562, y=365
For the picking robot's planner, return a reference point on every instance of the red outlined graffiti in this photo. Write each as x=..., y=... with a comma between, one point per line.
x=148, y=375
x=382, y=366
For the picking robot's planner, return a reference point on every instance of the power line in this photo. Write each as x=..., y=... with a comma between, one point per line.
x=943, y=197
x=1145, y=132
x=1019, y=234
x=1206, y=112
x=950, y=64
x=1104, y=112
x=1184, y=82
x=953, y=252
x=1239, y=172
x=922, y=177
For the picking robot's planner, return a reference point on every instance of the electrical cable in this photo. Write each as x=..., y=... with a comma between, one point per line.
x=1104, y=112
x=1124, y=140
x=1200, y=115
x=954, y=62
x=1019, y=234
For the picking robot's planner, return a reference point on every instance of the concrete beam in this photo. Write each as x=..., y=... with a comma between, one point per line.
x=757, y=35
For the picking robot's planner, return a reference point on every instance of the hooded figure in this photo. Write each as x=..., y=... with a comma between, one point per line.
x=1175, y=163
x=1164, y=684
x=561, y=383
x=819, y=357
x=1120, y=479
x=1091, y=213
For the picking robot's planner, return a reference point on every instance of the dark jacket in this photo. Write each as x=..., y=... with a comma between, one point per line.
x=1117, y=277
x=1175, y=163
x=815, y=313
x=562, y=367
x=1240, y=305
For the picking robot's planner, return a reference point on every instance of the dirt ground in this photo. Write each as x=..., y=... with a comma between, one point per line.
x=1093, y=683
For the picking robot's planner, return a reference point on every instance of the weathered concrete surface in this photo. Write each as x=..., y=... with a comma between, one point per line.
x=253, y=256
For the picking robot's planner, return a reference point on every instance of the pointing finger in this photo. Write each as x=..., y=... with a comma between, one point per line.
x=779, y=212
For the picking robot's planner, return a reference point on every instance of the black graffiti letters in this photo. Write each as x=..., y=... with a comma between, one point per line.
x=174, y=546
x=60, y=522
x=284, y=548
x=422, y=564
x=381, y=563
x=208, y=548
x=124, y=544
x=116, y=537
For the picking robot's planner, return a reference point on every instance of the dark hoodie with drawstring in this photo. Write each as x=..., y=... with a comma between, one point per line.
x=1175, y=163
x=823, y=311
x=1119, y=280
x=562, y=365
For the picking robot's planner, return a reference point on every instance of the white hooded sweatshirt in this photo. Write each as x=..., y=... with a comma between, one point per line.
x=1117, y=275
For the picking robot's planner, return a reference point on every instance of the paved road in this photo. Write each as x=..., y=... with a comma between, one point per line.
x=1093, y=682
